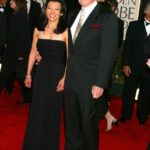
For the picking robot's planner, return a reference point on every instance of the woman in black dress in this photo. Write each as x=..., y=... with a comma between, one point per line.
x=50, y=40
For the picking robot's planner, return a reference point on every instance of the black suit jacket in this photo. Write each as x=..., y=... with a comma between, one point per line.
x=34, y=15
x=2, y=29
x=148, y=148
x=134, y=48
x=71, y=5
x=120, y=32
x=92, y=56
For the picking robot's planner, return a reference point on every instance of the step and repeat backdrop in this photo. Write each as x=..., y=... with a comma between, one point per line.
x=128, y=10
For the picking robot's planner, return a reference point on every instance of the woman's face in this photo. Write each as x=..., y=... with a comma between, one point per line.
x=53, y=11
x=12, y=4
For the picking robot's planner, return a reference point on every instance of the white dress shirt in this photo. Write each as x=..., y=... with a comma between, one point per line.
x=87, y=11
x=147, y=27
x=28, y=5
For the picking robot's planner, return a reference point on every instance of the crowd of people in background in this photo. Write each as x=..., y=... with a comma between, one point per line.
x=26, y=31
x=21, y=19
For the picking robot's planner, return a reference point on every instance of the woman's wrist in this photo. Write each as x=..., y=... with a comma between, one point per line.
x=28, y=76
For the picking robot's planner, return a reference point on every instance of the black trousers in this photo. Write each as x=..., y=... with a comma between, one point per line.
x=144, y=98
x=81, y=123
x=103, y=107
x=7, y=81
x=26, y=92
x=148, y=147
x=131, y=84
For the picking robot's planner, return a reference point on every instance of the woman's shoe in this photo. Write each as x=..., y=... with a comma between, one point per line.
x=113, y=123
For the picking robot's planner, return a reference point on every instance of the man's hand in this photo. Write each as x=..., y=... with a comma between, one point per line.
x=38, y=58
x=148, y=63
x=127, y=70
x=97, y=92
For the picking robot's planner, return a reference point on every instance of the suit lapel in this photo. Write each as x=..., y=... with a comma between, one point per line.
x=143, y=30
x=91, y=19
x=71, y=21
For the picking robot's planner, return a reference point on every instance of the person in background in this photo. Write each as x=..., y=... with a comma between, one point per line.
x=136, y=53
x=7, y=10
x=113, y=6
x=8, y=13
x=50, y=39
x=3, y=28
x=92, y=51
x=71, y=5
x=34, y=12
x=18, y=46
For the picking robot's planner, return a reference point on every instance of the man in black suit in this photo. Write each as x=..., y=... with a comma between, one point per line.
x=5, y=4
x=2, y=28
x=136, y=53
x=92, y=51
x=34, y=11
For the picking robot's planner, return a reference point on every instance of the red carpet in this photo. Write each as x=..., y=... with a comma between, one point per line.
x=128, y=136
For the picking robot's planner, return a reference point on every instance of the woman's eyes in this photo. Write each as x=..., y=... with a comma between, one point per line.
x=56, y=9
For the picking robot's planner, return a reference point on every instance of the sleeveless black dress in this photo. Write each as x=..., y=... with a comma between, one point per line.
x=43, y=129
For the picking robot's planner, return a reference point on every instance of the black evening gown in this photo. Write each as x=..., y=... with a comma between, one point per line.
x=43, y=128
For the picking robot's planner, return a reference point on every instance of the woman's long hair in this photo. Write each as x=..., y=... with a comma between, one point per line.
x=21, y=5
x=61, y=27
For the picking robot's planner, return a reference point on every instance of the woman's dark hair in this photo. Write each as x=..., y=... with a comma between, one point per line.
x=21, y=5
x=61, y=27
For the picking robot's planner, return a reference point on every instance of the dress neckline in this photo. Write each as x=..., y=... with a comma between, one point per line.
x=52, y=40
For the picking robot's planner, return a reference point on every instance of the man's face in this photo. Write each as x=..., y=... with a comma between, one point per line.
x=3, y=2
x=86, y=3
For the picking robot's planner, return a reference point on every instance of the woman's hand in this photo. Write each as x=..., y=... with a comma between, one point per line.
x=28, y=81
x=60, y=86
x=148, y=63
